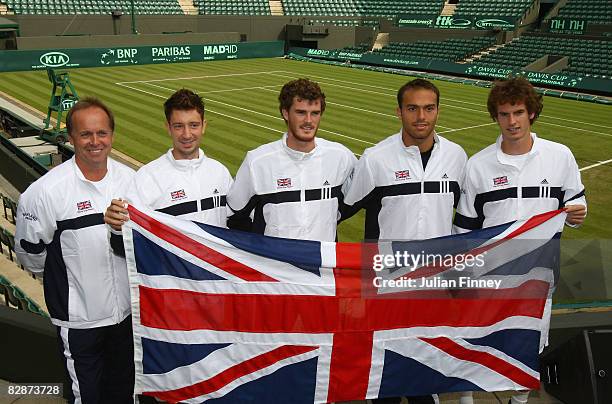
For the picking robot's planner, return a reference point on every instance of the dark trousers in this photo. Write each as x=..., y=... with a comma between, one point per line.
x=99, y=362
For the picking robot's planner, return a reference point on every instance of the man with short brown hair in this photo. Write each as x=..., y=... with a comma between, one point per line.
x=182, y=182
x=293, y=187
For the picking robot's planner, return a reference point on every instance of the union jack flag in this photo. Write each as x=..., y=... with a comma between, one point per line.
x=402, y=175
x=83, y=205
x=236, y=317
x=177, y=194
x=500, y=180
x=283, y=182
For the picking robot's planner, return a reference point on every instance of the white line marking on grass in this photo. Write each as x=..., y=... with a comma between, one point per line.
x=196, y=77
x=579, y=129
x=362, y=109
x=595, y=165
x=235, y=89
x=235, y=118
x=452, y=99
x=269, y=116
x=385, y=94
x=467, y=127
x=474, y=110
x=207, y=109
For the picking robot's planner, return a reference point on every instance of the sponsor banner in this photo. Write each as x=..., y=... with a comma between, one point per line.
x=366, y=58
x=137, y=55
x=455, y=21
x=575, y=26
x=416, y=20
x=562, y=80
x=554, y=79
x=572, y=82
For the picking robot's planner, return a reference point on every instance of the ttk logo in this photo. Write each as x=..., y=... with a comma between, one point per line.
x=449, y=21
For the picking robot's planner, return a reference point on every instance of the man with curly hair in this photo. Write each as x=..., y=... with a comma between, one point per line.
x=519, y=176
x=293, y=187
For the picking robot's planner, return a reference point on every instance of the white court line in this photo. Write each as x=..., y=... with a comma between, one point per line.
x=468, y=109
x=236, y=89
x=579, y=129
x=595, y=165
x=451, y=99
x=232, y=117
x=269, y=116
x=197, y=77
x=468, y=127
x=207, y=109
x=343, y=81
x=364, y=110
x=385, y=94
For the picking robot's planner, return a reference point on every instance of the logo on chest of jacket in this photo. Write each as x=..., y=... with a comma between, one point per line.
x=402, y=175
x=282, y=183
x=500, y=181
x=84, y=206
x=178, y=195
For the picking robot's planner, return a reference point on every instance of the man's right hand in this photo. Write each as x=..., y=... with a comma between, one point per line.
x=116, y=214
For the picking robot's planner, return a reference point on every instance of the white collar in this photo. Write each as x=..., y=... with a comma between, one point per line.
x=81, y=176
x=501, y=156
x=414, y=149
x=183, y=164
x=296, y=154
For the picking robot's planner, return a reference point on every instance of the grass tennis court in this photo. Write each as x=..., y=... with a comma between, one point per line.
x=242, y=113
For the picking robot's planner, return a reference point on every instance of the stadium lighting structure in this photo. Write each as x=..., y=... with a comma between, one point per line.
x=133, y=15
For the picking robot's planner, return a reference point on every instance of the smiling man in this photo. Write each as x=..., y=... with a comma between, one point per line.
x=409, y=182
x=293, y=187
x=521, y=175
x=60, y=230
x=183, y=182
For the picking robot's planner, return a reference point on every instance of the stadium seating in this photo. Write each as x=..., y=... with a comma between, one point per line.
x=380, y=8
x=233, y=7
x=10, y=207
x=14, y=296
x=452, y=50
x=594, y=11
x=7, y=239
x=361, y=48
x=588, y=57
x=490, y=8
x=92, y=6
